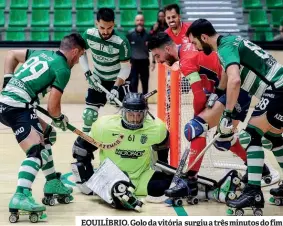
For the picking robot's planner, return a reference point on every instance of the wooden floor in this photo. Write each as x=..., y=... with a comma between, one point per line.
x=12, y=156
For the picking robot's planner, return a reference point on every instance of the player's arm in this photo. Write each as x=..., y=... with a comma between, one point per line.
x=231, y=62
x=190, y=68
x=13, y=58
x=54, y=102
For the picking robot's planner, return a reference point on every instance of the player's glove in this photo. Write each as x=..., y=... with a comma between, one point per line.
x=60, y=122
x=113, y=94
x=93, y=80
x=225, y=125
x=214, y=97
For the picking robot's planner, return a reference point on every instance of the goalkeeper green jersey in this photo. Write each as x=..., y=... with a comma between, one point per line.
x=133, y=155
x=107, y=54
x=260, y=70
x=42, y=70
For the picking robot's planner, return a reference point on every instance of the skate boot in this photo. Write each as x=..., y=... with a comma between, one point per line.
x=251, y=198
x=184, y=189
x=56, y=189
x=277, y=193
x=227, y=186
x=266, y=176
x=124, y=198
x=24, y=204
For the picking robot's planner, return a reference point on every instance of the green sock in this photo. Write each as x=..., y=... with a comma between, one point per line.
x=48, y=169
x=27, y=173
x=277, y=149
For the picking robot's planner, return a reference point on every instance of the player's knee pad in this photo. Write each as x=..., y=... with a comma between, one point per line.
x=83, y=151
x=250, y=136
x=224, y=142
x=49, y=135
x=270, y=141
x=196, y=127
x=90, y=115
x=39, y=151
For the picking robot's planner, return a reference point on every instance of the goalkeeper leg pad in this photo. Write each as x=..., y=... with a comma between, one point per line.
x=196, y=127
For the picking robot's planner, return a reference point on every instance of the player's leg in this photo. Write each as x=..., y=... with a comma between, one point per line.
x=83, y=169
x=29, y=136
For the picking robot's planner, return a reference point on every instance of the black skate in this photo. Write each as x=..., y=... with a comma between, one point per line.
x=124, y=192
x=277, y=193
x=251, y=198
x=184, y=189
x=266, y=176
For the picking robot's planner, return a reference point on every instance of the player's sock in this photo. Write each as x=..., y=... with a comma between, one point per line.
x=238, y=150
x=27, y=173
x=48, y=169
x=277, y=148
x=197, y=145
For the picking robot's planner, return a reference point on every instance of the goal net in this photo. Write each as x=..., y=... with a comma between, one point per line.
x=175, y=107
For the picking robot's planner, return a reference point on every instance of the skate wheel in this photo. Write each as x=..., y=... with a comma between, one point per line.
x=239, y=212
x=138, y=208
x=229, y=212
x=44, y=201
x=66, y=200
x=193, y=201
x=277, y=202
x=178, y=202
x=121, y=188
x=33, y=218
x=13, y=218
x=236, y=180
x=242, y=186
x=51, y=202
x=258, y=212
x=267, y=180
x=131, y=189
x=257, y=198
x=125, y=198
x=232, y=196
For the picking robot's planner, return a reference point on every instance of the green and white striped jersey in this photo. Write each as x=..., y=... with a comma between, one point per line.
x=107, y=54
x=42, y=70
x=260, y=70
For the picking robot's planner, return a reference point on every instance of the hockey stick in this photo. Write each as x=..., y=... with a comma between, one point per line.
x=185, y=156
x=85, y=136
x=119, y=102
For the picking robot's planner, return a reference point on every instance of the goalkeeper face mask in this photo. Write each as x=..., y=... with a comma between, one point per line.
x=133, y=119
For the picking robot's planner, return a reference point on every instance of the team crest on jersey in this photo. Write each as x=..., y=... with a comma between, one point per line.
x=110, y=49
x=143, y=138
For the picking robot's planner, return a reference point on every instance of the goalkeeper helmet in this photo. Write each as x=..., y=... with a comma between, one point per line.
x=134, y=110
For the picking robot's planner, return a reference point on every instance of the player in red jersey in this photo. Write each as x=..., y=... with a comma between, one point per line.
x=203, y=73
x=177, y=29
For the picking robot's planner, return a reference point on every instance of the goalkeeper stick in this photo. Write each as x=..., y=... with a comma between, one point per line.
x=119, y=102
x=85, y=136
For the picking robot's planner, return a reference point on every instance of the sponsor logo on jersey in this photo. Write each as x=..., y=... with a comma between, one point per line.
x=20, y=130
x=18, y=83
x=110, y=49
x=126, y=49
x=2, y=109
x=270, y=95
x=115, y=134
x=143, y=138
x=133, y=154
x=279, y=117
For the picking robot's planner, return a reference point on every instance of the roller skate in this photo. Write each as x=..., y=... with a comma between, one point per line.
x=24, y=204
x=251, y=198
x=184, y=189
x=227, y=186
x=277, y=193
x=55, y=189
x=124, y=192
x=266, y=176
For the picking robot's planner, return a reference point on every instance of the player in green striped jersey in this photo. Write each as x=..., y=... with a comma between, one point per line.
x=42, y=71
x=110, y=54
x=251, y=68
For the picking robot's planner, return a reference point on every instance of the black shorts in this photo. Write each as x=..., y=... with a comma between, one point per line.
x=242, y=106
x=98, y=99
x=20, y=120
x=271, y=104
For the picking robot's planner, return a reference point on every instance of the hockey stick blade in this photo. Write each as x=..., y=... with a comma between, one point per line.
x=85, y=136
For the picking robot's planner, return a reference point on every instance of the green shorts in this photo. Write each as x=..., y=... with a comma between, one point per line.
x=141, y=183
